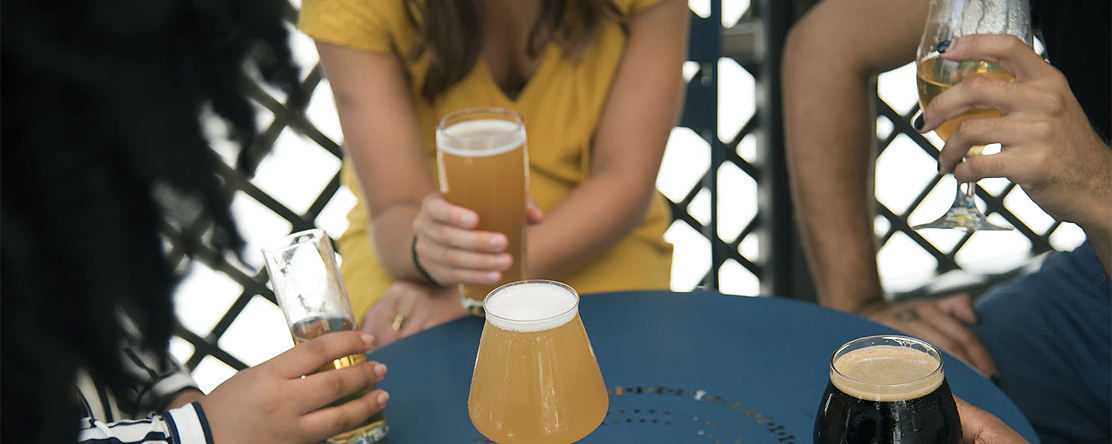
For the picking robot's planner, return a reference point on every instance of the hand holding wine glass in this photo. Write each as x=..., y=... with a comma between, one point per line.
x=946, y=21
x=1048, y=146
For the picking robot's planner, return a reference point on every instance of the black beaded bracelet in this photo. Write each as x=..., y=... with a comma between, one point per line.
x=417, y=264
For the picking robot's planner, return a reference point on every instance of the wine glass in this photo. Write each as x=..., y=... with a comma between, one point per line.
x=947, y=20
x=536, y=379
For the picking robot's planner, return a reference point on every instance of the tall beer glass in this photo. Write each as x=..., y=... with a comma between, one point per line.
x=887, y=389
x=484, y=166
x=306, y=281
x=536, y=380
x=947, y=20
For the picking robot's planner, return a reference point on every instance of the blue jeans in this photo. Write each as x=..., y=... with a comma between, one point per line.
x=1050, y=333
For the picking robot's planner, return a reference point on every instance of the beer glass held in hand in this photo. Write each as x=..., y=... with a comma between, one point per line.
x=536, y=379
x=947, y=20
x=306, y=282
x=483, y=164
x=887, y=389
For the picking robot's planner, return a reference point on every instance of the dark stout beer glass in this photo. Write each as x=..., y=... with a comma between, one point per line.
x=887, y=389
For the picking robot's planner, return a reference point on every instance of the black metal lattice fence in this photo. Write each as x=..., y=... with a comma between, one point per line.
x=753, y=43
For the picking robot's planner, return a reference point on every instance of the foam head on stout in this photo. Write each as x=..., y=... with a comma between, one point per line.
x=887, y=389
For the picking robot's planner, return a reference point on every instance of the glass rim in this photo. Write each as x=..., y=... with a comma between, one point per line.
x=561, y=285
x=442, y=125
x=930, y=350
x=289, y=241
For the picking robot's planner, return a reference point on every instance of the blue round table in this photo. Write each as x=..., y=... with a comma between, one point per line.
x=680, y=367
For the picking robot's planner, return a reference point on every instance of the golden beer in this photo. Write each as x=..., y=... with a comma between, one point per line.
x=483, y=166
x=936, y=75
x=536, y=379
x=374, y=427
x=306, y=282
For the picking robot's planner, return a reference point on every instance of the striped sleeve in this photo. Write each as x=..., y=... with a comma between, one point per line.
x=185, y=425
x=161, y=379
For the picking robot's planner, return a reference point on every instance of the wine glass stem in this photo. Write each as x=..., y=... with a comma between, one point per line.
x=965, y=195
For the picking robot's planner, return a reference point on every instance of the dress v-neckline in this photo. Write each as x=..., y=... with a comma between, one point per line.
x=537, y=76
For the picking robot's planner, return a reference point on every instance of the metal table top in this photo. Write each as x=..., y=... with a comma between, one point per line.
x=696, y=367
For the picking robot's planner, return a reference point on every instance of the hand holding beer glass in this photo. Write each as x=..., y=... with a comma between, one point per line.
x=536, y=379
x=887, y=389
x=947, y=20
x=483, y=166
x=306, y=282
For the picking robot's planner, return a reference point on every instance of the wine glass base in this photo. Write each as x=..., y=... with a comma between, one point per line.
x=964, y=219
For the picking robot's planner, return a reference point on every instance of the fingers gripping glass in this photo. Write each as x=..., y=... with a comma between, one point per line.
x=947, y=20
x=483, y=165
x=306, y=282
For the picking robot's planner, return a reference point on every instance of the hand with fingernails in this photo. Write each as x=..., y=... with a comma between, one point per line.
x=1048, y=146
x=282, y=401
x=448, y=249
x=410, y=307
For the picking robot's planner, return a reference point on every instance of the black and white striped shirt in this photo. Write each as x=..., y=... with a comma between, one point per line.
x=134, y=416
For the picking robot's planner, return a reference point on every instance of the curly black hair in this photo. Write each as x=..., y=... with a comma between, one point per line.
x=100, y=110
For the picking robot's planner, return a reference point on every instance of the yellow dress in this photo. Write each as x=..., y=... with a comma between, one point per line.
x=561, y=106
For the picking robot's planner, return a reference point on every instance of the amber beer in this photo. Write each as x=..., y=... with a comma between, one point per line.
x=536, y=379
x=483, y=164
x=887, y=389
x=373, y=428
x=936, y=75
x=306, y=282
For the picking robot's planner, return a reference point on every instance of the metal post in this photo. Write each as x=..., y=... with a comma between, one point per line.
x=701, y=115
x=785, y=270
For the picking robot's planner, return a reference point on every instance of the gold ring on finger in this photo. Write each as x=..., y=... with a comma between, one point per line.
x=399, y=321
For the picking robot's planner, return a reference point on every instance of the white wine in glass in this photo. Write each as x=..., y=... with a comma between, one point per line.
x=947, y=20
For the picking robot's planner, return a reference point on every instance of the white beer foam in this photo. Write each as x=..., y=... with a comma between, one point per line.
x=480, y=138
x=528, y=307
x=886, y=373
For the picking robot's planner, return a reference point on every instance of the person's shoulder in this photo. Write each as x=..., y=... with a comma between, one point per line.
x=385, y=10
x=373, y=25
x=631, y=7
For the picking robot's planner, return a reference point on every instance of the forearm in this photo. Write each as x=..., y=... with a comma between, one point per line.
x=1098, y=223
x=1098, y=227
x=829, y=60
x=592, y=218
x=829, y=137
x=1102, y=243
x=384, y=147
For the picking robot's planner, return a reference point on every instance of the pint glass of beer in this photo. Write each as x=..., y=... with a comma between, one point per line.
x=306, y=281
x=484, y=166
x=536, y=380
x=887, y=389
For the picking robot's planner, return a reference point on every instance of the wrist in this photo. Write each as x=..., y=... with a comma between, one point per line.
x=870, y=307
x=416, y=261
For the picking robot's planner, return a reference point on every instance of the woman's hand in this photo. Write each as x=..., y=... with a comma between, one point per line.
x=453, y=252
x=407, y=308
x=273, y=403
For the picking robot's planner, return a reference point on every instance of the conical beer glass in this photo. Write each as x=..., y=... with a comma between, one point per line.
x=536, y=379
